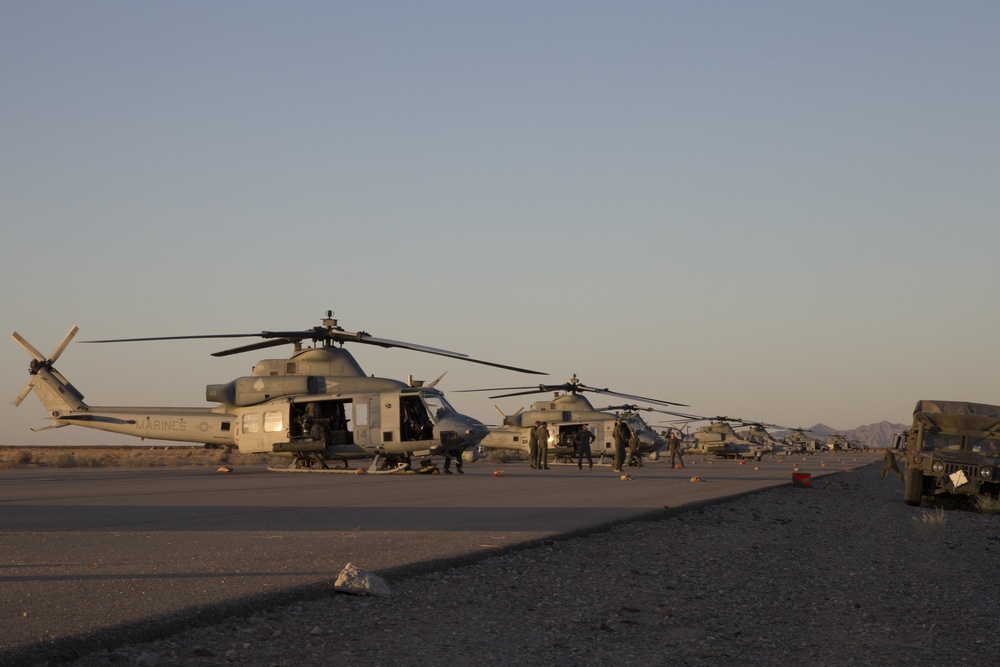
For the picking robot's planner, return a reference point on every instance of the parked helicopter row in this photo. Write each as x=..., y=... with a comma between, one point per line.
x=720, y=439
x=318, y=406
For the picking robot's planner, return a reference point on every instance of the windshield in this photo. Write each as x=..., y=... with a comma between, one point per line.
x=942, y=442
x=984, y=446
x=437, y=405
x=636, y=423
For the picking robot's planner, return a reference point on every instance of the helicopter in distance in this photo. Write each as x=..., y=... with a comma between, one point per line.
x=797, y=442
x=757, y=432
x=313, y=407
x=839, y=442
x=566, y=413
x=719, y=438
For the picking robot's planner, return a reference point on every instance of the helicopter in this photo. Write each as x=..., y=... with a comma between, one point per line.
x=797, y=442
x=838, y=442
x=566, y=413
x=314, y=407
x=757, y=433
x=721, y=440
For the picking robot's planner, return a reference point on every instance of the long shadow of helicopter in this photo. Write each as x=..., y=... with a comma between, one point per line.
x=313, y=407
x=566, y=413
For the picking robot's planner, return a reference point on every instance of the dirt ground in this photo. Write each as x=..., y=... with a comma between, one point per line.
x=128, y=457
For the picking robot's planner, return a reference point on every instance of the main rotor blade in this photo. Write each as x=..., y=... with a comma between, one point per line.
x=319, y=334
x=253, y=346
x=633, y=397
x=518, y=393
x=28, y=347
x=135, y=340
x=636, y=408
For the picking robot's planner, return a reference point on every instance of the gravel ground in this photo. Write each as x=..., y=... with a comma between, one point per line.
x=842, y=573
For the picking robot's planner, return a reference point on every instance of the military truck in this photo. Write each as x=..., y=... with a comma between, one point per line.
x=952, y=447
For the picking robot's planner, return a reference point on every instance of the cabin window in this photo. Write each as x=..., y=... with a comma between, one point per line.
x=251, y=423
x=225, y=426
x=361, y=413
x=272, y=421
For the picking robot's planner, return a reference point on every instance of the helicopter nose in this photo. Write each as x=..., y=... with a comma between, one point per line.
x=463, y=432
x=475, y=433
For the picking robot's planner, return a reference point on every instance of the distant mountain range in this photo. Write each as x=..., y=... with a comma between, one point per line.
x=874, y=435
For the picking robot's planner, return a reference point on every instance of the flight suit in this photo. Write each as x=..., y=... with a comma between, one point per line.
x=620, y=435
x=543, y=447
x=533, y=446
x=583, y=439
x=633, y=451
x=675, y=450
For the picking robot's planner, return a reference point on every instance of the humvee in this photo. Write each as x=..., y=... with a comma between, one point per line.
x=952, y=448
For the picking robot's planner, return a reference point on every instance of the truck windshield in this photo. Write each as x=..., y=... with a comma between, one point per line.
x=984, y=446
x=942, y=442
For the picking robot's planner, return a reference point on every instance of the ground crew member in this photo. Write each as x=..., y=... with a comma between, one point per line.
x=543, y=446
x=583, y=439
x=458, y=462
x=675, y=449
x=634, y=459
x=890, y=464
x=533, y=445
x=621, y=436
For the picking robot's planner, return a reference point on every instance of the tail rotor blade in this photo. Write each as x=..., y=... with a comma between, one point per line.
x=23, y=394
x=65, y=342
x=28, y=347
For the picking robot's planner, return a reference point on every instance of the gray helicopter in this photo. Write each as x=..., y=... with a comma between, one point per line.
x=797, y=442
x=720, y=439
x=566, y=413
x=314, y=407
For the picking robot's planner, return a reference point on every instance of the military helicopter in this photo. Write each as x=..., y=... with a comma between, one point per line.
x=313, y=407
x=566, y=413
x=838, y=442
x=797, y=442
x=757, y=433
x=719, y=439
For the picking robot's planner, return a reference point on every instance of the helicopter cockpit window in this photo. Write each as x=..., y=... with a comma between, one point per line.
x=438, y=406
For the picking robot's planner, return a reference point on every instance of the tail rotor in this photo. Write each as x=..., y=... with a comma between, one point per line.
x=38, y=360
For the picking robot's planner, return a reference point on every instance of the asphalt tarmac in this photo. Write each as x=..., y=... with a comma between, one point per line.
x=91, y=556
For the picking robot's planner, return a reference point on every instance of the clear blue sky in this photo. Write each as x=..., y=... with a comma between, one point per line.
x=783, y=211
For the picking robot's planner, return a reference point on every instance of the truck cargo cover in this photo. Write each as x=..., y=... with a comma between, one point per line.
x=957, y=416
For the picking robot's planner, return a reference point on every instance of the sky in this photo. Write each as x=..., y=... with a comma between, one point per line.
x=782, y=211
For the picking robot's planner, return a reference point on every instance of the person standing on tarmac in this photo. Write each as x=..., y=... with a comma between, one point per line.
x=634, y=443
x=583, y=439
x=621, y=437
x=674, y=444
x=543, y=446
x=533, y=445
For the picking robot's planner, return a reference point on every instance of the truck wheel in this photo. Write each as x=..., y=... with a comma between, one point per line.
x=914, y=489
